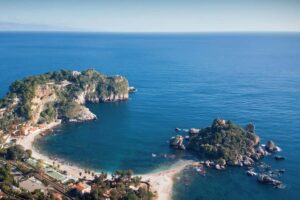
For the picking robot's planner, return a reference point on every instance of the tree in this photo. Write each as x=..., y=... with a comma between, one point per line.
x=16, y=152
x=40, y=165
x=29, y=152
x=136, y=180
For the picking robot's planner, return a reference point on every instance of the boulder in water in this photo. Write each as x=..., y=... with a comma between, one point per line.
x=271, y=147
x=177, y=129
x=218, y=167
x=177, y=142
x=194, y=130
x=251, y=173
x=266, y=179
x=248, y=161
x=279, y=158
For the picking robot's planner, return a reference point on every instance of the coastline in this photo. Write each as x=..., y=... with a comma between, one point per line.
x=161, y=182
x=28, y=140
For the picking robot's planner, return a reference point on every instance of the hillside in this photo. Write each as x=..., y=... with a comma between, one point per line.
x=57, y=95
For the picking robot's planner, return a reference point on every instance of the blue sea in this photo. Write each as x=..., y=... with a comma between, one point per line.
x=183, y=80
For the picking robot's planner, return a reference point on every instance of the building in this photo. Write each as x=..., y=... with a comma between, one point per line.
x=82, y=187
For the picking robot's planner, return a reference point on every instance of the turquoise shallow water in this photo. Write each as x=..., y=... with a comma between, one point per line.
x=183, y=81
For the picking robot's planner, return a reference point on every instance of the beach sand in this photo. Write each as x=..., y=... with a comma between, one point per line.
x=161, y=181
x=27, y=142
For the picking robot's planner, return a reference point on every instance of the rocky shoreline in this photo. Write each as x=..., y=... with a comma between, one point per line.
x=60, y=95
x=225, y=144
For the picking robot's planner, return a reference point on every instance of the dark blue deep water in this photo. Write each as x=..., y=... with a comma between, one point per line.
x=182, y=81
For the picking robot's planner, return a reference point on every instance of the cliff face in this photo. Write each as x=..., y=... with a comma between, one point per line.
x=59, y=95
x=45, y=95
x=116, y=89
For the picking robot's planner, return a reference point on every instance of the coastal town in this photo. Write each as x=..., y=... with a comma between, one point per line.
x=34, y=172
x=33, y=108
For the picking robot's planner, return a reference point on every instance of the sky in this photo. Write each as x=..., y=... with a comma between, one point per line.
x=151, y=15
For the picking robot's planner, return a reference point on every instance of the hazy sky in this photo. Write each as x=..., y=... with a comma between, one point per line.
x=151, y=15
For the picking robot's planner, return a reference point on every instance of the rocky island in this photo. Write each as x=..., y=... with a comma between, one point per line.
x=53, y=96
x=225, y=143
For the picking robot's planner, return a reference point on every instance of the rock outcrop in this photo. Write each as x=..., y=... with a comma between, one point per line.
x=177, y=142
x=271, y=147
x=82, y=114
x=266, y=179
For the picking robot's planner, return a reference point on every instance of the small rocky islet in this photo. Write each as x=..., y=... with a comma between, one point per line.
x=225, y=143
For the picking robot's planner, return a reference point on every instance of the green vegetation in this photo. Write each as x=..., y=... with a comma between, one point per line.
x=45, y=98
x=5, y=177
x=57, y=93
x=223, y=141
x=48, y=115
x=121, y=186
x=17, y=152
x=70, y=110
x=10, y=187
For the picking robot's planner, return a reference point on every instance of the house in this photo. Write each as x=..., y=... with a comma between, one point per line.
x=57, y=196
x=82, y=187
x=1, y=194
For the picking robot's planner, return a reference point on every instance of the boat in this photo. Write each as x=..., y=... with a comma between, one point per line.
x=153, y=155
x=132, y=89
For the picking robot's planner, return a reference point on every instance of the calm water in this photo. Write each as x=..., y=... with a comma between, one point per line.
x=182, y=81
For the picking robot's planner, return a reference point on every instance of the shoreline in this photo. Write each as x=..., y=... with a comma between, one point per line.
x=27, y=142
x=161, y=182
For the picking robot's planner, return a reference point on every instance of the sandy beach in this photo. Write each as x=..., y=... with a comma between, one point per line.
x=161, y=181
x=27, y=142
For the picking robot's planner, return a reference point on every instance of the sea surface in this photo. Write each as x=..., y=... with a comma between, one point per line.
x=183, y=80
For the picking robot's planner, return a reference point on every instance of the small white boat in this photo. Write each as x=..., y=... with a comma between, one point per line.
x=132, y=89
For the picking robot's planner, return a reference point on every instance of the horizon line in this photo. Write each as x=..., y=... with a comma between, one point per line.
x=142, y=32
